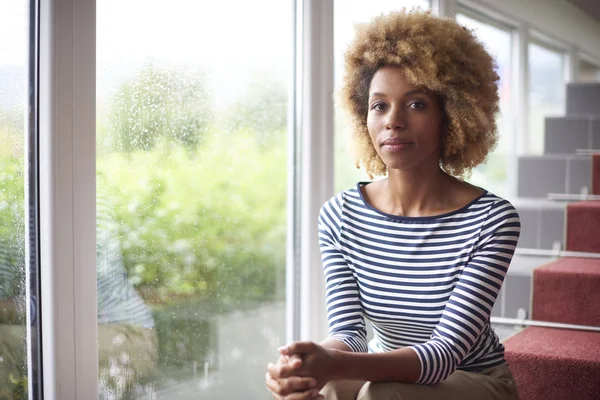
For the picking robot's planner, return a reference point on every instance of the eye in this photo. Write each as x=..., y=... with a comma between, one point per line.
x=378, y=107
x=417, y=105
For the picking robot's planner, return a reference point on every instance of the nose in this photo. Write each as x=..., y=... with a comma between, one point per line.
x=395, y=119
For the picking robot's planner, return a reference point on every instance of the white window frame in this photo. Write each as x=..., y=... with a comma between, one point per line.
x=516, y=114
x=317, y=165
x=68, y=198
x=68, y=192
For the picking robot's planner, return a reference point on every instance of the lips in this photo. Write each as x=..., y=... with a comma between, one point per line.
x=395, y=142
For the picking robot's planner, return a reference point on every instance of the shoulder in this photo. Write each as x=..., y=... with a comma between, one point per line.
x=336, y=204
x=500, y=206
x=502, y=216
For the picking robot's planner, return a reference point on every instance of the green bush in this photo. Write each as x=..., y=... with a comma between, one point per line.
x=210, y=223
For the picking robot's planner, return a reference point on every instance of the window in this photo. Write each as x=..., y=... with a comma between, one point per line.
x=498, y=41
x=347, y=13
x=546, y=91
x=191, y=195
x=588, y=72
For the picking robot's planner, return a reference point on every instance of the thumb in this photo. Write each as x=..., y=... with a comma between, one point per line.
x=297, y=348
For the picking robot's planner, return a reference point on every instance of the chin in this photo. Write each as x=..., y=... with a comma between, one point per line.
x=403, y=167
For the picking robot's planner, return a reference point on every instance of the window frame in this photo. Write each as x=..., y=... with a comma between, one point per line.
x=68, y=195
x=32, y=209
x=317, y=160
x=568, y=69
x=68, y=198
x=509, y=26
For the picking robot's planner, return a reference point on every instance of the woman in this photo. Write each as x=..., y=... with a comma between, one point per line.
x=422, y=254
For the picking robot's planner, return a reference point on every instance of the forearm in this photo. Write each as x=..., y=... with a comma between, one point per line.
x=401, y=365
x=335, y=344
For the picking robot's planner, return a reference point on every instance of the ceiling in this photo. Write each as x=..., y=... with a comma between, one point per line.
x=590, y=7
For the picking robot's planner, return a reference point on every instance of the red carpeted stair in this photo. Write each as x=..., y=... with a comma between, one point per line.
x=596, y=174
x=552, y=363
x=583, y=226
x=555, y=364
x=568, y=291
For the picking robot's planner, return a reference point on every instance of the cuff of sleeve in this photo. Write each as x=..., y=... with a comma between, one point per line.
x=356, y=344
x=422, y=358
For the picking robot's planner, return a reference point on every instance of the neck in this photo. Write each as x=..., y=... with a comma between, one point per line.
x=413, y=193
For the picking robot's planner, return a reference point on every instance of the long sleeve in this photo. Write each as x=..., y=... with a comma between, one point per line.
x=344, y=311
x=470, y=304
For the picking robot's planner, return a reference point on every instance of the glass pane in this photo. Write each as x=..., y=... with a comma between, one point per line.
x=191, y=183
x=498, y=42
x=348, y=13
x=546, y=92
x=588, y=72
x=13, y=102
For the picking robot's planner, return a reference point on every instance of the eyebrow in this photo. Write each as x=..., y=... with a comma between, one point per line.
x=409, y=93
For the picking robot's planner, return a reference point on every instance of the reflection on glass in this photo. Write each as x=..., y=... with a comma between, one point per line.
x=498, y=42
x=13, y=101
x=546, y=92
x=191, y=186
x=348, y=13
x=588, y=72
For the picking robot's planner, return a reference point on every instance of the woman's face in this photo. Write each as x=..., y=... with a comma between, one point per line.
x=404, y=121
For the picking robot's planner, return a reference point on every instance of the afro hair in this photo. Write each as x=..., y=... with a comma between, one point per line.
x=437, y=54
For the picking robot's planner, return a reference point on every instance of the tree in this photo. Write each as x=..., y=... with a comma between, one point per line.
x=262, y=108
x=159, y=104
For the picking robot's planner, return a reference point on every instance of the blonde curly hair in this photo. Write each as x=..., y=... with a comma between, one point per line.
x=436, y=54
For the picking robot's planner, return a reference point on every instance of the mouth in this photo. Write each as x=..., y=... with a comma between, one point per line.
x=393, y=144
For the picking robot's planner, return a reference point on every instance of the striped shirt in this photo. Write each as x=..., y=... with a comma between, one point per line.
x=428, y=283
x=118, y=301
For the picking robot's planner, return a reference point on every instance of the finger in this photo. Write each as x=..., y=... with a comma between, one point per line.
x=275, y=395
x=295, y=384
x=273, y=386
x=283, y=359
x=279, y=371
x=295, y=360
x=297, y=347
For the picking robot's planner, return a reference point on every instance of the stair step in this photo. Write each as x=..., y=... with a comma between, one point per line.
x=583, y=99
x=555, y=364
x=565, y=135
x=516, y=290
x=583, y=226
x=542, y=223
x=553, y=173
x=596, y=173
x=564, y=289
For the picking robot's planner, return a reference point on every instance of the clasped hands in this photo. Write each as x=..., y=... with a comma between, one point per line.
x=301, y=372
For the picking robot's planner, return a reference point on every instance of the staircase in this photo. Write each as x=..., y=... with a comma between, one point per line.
x=552, y=363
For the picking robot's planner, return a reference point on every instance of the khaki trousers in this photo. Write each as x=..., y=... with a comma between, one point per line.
x=496, y=383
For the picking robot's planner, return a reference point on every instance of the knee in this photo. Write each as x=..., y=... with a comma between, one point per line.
x=332, y=390
x=341, y=390
x=379, y=391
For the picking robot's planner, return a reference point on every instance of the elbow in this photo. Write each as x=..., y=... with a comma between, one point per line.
x=356, y=343
x=441, y=377
x=438, y=362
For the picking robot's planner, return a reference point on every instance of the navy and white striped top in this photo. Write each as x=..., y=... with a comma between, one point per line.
x=428, y=283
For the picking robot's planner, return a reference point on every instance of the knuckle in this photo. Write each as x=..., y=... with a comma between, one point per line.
x=286, y=386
